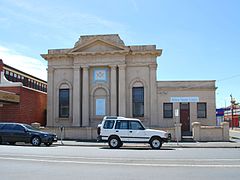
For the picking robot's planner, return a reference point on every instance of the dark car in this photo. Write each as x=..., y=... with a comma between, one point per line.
x=17, y=132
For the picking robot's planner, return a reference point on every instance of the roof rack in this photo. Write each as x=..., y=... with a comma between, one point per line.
x=110, y=117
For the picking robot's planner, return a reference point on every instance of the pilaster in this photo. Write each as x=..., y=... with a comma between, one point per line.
x=153, y=94
x=122, y=90
x=50, y=97
x=85, y=97
x=76, y=96
x=113, y=90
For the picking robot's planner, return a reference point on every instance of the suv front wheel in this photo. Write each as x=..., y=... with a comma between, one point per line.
x=114, y=142
x=156, y=143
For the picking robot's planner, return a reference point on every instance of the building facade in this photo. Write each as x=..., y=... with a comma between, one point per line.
x=102, y=76
x=23, y=97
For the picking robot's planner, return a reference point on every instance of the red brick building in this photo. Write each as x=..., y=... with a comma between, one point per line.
x=23, y=97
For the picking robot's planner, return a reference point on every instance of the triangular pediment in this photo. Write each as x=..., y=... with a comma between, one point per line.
x=97, y=45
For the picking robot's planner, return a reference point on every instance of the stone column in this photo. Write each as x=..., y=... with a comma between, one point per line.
x=196, y=127
x=76, y=96
x=85, y=98
x=122, y=90
x=178, y=133
x=50, y=97
x=113, y=84
x=225, y=129
x=153, y=96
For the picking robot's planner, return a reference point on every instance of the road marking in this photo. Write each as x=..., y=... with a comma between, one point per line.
x=124, y=164
x=114, y=158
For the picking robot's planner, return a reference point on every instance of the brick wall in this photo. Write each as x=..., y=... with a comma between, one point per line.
x=32, y=106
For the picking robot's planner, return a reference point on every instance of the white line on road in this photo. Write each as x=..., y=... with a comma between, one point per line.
x=123, y=164
x=114, y=158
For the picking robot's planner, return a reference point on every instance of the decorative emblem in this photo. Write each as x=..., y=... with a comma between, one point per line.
x=100, y=74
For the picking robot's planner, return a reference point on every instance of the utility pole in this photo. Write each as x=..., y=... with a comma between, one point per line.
x=232, y=106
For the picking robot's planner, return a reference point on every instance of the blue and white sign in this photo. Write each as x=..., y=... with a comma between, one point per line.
x=100, y=107
x=100, y=74
x=184, y=99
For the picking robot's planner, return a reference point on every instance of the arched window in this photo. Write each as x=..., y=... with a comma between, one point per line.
x=64, y=97
x=100, y=96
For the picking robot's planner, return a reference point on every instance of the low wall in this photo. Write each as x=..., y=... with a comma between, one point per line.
x=78, y=133
x=210, y=133
x=175, y=132
x=88, y=133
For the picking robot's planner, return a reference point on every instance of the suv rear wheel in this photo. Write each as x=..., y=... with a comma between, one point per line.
x=156, y=143
x=114, y=142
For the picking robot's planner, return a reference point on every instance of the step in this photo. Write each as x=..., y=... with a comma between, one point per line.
x=187, y=139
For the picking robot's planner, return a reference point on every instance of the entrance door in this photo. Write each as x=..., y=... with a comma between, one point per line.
x=185, y=116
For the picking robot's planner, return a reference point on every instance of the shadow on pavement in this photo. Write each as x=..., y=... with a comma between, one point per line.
x=139, y=148
x=28, y=145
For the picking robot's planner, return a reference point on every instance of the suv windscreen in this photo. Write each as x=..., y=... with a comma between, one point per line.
x=108, y=124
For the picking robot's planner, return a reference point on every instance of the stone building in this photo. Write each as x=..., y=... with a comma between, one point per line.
x=102, y=76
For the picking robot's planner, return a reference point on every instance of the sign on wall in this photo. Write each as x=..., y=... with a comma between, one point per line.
x=184, y=99
x=100, y=107
x=9, y=97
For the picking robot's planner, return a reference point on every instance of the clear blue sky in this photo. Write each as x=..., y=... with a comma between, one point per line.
x=200, y=38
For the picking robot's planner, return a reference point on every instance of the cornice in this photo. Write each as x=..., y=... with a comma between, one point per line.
x=157, y=52
x=118, y=52
x=56, y=56
x=122, y=52
x=185, y=89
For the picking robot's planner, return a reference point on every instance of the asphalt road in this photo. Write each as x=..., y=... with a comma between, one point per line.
x=66, y=163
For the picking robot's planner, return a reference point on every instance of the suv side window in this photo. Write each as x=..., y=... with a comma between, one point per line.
x=135, y=125
x=108, y=124
x=122, y=125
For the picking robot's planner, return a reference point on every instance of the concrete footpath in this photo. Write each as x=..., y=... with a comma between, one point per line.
x=230, y=144
x=233, y=143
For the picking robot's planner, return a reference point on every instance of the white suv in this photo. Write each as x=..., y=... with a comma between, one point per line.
x=117, y=130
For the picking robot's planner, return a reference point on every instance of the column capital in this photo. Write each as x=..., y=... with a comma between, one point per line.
x=122, y=66
x=153, y=66
x=85, y=67
x=113, y=66
x=50, y=69
x=76, y=67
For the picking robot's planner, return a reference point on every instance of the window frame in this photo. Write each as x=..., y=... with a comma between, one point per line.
x=60, y=114
x=165, y=110
x=137, y=102
x=199, y=115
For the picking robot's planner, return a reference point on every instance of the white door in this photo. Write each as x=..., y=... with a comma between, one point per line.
x=122, y=130
x=137, y=132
